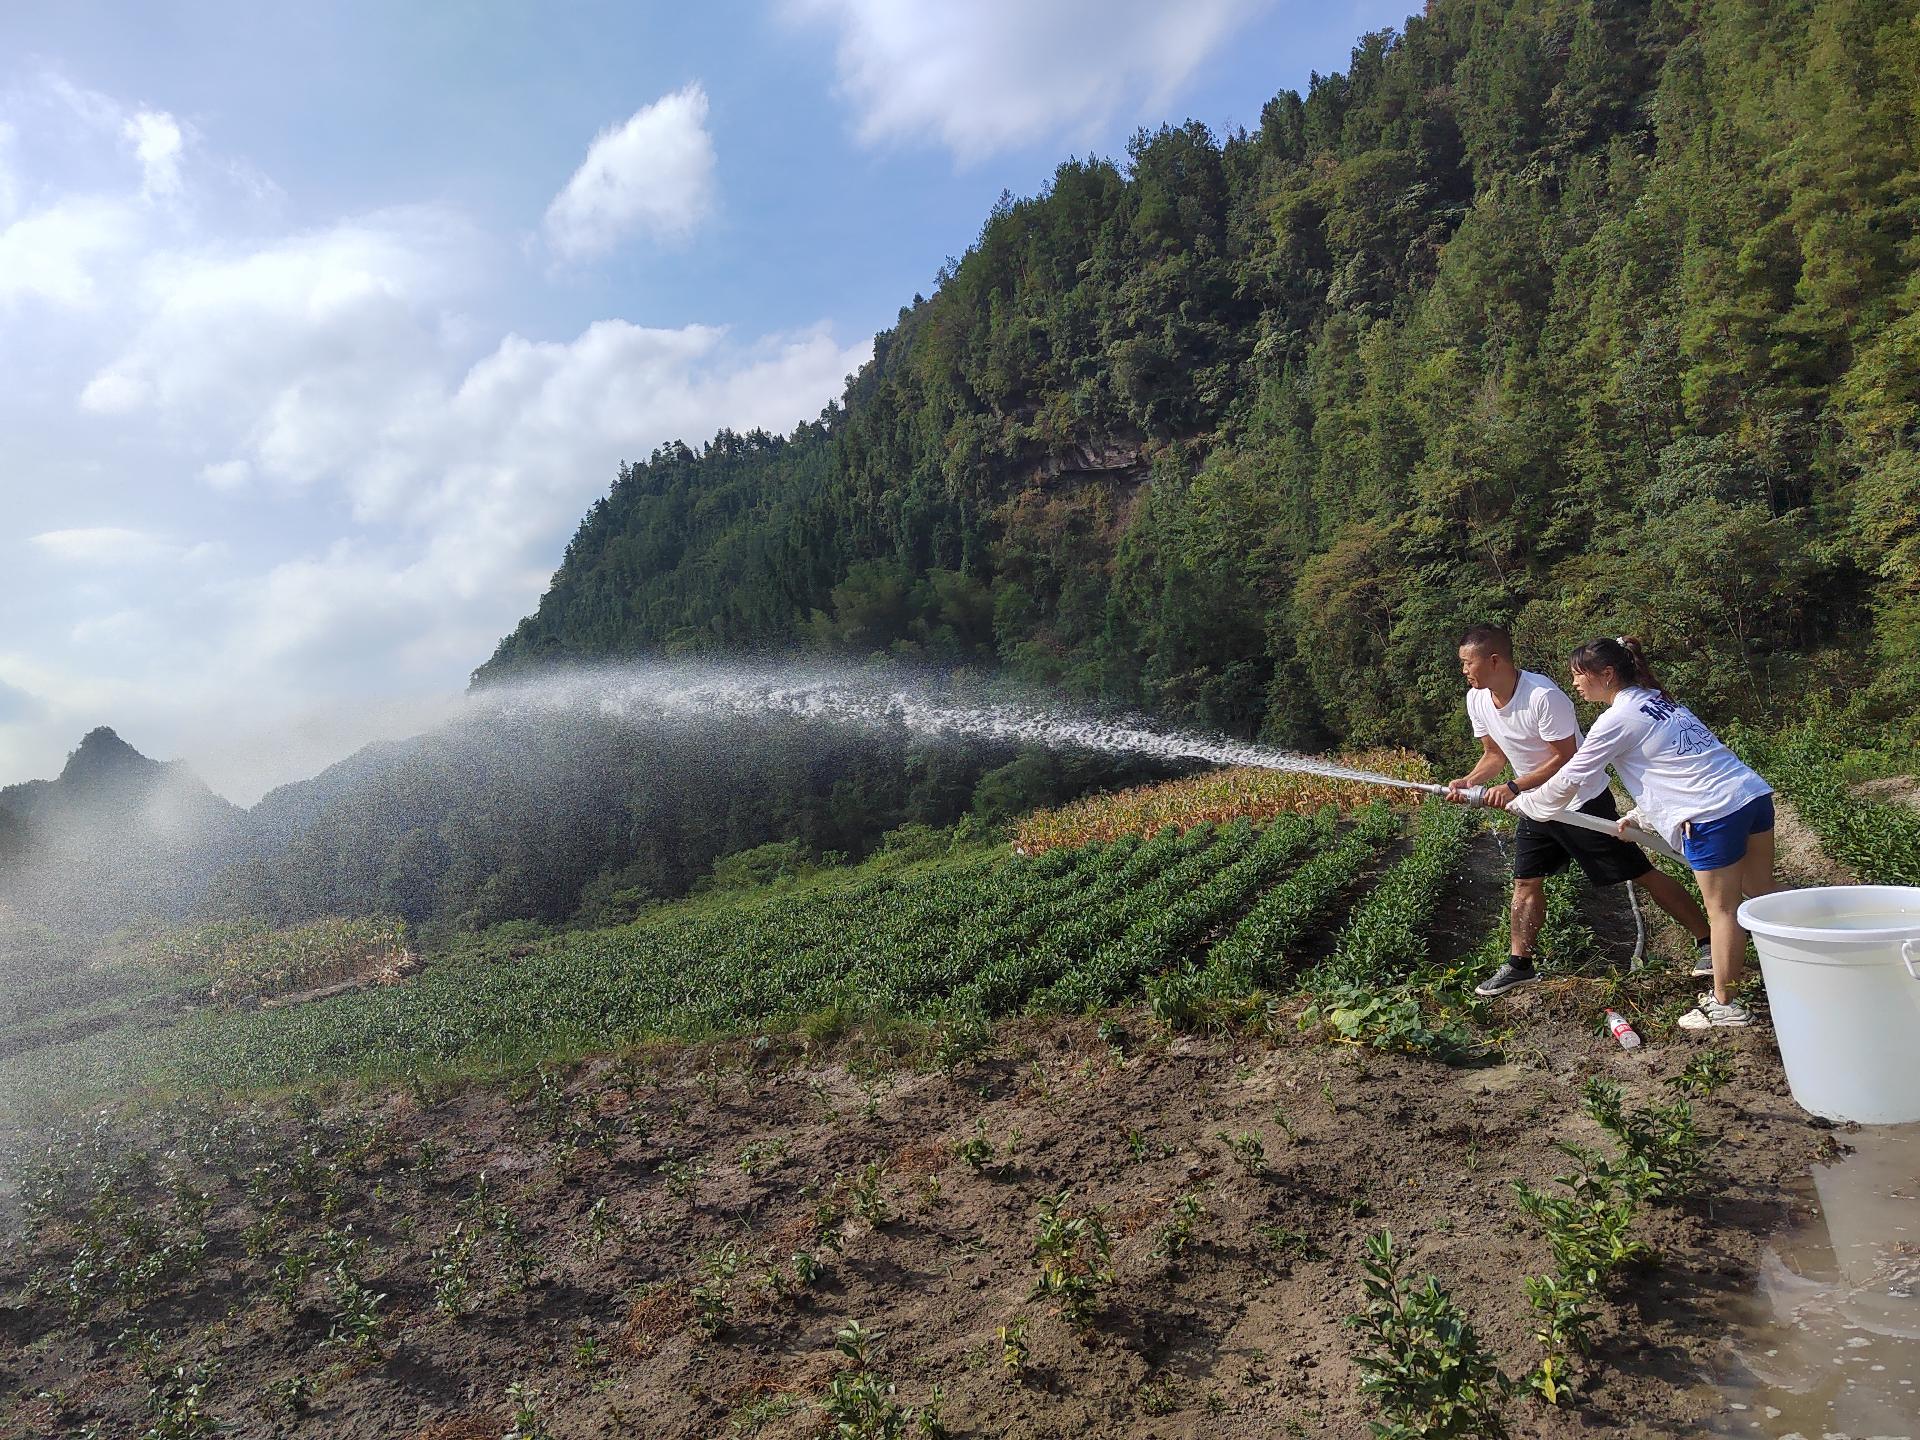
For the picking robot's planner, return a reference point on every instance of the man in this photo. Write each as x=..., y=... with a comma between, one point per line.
x=1525, y=721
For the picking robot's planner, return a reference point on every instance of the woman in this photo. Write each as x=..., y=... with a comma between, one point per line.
x=1688, y=788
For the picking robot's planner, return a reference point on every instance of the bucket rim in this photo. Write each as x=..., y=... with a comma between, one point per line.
x=1753, y=918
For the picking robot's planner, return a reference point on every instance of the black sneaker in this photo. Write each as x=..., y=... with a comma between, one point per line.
x=1506, y=977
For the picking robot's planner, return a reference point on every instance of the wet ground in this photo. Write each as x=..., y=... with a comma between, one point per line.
x=1829, y=1346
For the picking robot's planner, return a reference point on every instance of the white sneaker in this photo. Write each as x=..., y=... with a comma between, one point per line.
x=1703, y=959
x=1710, y=1014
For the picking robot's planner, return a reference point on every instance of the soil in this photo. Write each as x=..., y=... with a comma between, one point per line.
x=768, y=1146
x=1894, y=790
x=1797, y=852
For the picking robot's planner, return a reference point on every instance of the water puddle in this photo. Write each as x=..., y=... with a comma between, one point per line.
x=1830, y=1349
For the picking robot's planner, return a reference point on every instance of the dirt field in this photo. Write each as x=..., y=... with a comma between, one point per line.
x=637, y=1319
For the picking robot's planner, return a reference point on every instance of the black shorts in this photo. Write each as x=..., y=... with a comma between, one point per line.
x=1543, y=848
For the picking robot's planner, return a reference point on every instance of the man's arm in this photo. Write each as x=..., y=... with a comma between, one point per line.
x=1563, y=751
x=1492, y=761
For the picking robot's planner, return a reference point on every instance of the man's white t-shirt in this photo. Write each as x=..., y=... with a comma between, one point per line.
x=1537, y=712
x=1675, y=768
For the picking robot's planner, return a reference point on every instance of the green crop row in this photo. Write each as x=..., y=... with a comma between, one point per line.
x=1255, y=952
x=1880, y=843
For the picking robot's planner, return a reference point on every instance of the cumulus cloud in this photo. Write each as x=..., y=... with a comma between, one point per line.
x=55, y=254
x=157, y=143
x=653, y=175
x=394, y=482
x=993, y=75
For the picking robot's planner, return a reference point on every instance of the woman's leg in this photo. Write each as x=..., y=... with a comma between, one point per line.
x=1721, y=891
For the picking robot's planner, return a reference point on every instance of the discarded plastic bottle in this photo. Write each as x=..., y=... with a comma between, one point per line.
x=1621, y=1030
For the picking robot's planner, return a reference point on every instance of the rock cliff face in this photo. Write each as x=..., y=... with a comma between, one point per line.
x=115, y=838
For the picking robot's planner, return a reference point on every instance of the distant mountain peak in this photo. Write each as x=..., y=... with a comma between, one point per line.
x=103, y=755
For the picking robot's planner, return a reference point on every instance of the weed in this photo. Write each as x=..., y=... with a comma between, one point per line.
x=712, y=1313
x=1285, y=1123
x=1137, y=1146
x=1425, y=1364
x=1289, y=1244
x=762, y=1155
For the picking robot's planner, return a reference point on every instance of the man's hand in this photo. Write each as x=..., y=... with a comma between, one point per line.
x=1500, y=796
x=1455, y=787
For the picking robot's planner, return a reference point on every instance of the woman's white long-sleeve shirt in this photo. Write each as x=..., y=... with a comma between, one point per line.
x=1676, y=769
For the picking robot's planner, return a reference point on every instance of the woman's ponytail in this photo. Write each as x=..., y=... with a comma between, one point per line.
x=1620, y=656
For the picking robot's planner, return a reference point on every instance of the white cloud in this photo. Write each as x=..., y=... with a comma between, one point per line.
x=55, y=254
x=103, y=545
x=157, y=142
x=227, y=475
x=654, y=175
x=395, y=481
x=993, y=75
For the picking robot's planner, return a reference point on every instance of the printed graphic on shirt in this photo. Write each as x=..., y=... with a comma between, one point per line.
x=1690, y=737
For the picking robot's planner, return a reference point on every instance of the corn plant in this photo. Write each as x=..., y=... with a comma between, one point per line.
x=1424, y=1363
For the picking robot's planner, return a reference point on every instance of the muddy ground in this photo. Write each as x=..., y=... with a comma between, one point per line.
x=636, y=1318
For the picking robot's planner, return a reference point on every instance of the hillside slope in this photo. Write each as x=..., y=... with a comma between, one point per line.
x=1588, y=315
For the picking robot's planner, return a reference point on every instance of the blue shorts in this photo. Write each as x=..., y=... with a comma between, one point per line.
x=1716, y=844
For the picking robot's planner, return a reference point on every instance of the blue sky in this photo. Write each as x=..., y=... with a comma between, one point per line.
x=321, y=326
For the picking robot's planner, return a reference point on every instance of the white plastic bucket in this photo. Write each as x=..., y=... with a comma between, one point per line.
x=1842, y=964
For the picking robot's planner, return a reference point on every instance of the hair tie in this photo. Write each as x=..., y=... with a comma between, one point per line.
x=1621, y=641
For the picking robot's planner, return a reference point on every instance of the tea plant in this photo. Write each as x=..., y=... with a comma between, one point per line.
x=1705, y=1073
x=527, y=1424
x=1013, y=1345
x=1662, y=1144
x=1248, y=1151
x=1424, y=1364
x=177, y=1401
x=976, y=1150
x=856, y=1342
x=356, y=1319
x=868, y=1202
x=1074, y=1253
x=450, y=1270
x=1177, y=1234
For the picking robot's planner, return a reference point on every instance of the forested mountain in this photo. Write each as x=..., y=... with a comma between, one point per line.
x=116, y=835
x=1585, y=315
